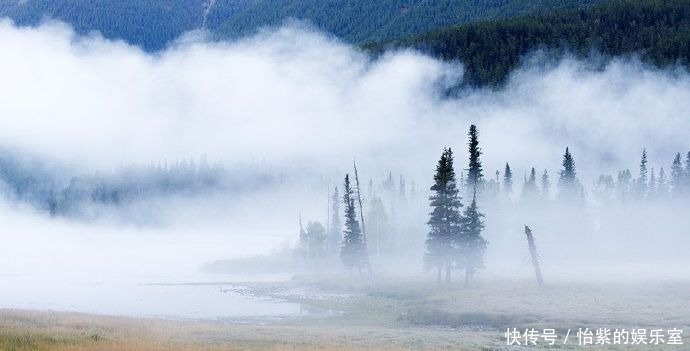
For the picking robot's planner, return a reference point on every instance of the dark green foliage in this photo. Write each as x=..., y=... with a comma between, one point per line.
x=366, y=21
x=657, y=30
x=153, y=24
x=474, y=171
x=445, y=218
x=353, y=251
x=150, y=24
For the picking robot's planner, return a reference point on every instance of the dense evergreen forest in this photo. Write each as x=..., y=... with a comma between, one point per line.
x=149, y=24
x=361, y=20
x=658, y=31
x=153, y=24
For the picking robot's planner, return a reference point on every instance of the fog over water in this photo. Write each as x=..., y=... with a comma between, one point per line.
x=301, y=104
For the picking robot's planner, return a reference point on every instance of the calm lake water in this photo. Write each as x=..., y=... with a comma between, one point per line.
x=195, y=297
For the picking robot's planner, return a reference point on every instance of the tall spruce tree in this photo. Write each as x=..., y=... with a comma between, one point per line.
x=353, y=249
x=444, y=219
x=471, y=244
x=568, y=185
x=677, y=177
x=335, y=233
x=474, y=172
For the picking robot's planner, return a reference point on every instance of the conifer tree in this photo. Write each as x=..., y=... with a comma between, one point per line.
x=353, y=249
x=677, y=177
x=545, y=185
x=472, y=245
x=474, y=172
x=687, y=172
x=662, y=185
x=445, y=217
x=402, y=190
x=623, y=185
x=529, y=188
x=652, y=187
x=568, y=184
x=508, y=181
x=335, y=231
x=642, y=180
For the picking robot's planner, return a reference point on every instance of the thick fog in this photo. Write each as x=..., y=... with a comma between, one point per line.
x=303, y=105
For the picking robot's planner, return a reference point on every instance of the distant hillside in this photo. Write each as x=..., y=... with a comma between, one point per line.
x=365, y=20
x=152, y=24
x=657, y=30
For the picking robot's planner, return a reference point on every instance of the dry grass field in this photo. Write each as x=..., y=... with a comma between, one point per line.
x=387, y=315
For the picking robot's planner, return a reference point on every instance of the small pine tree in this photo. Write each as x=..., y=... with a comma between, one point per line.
x=662, y=185
x=687, y=172
x=642, y=180
x=529, y=188
x=472, y=245
x=568, y=184
x=677, y=177
x=474, y=172
x=652, y=187
x=545, y=185
x=353, y=248
x=623, y=185
x=445, y=217
x=508, y=181
x=401, y=189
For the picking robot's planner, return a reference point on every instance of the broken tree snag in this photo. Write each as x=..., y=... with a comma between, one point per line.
x=533, y=254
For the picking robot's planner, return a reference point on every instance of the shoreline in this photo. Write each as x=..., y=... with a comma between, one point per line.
x=383, y=315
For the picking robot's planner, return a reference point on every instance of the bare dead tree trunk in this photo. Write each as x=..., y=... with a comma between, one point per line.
x=535, y=257
x=361, y=216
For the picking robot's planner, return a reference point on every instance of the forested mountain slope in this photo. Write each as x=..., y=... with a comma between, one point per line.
x=657, y=30
x=152, y=24
x=365, y=20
